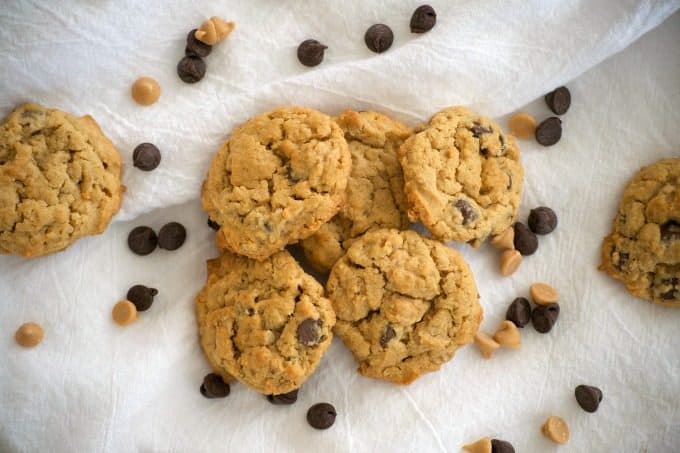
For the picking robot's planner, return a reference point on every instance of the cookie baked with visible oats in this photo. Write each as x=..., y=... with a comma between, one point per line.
x=404, y=304
x=59, y=180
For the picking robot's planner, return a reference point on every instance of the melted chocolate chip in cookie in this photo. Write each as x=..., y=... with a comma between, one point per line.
x=670, y=231
x=477, y=130
x=387, y=336
x=307, y=331
x=468, y=212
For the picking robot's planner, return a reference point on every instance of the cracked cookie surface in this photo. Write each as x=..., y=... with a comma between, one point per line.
x=643, y=248
x=404, y=304
x=266, y=323
x=59, y=180
x=463, y=176
x=276, y=180
x=375, y=189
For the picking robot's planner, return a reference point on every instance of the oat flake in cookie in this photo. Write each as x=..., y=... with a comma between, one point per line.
x=643, y=248
x=463, y=176
x=266, y=323
x=404, y=304
x=59, y=180
x=276, y=180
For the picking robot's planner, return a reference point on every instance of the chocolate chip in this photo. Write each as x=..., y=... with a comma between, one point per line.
x=558, y=100
x=519, y=312
x=146, y=156
x=544, y=317
x=549, y=131
x=212, y=224
x=477, y=130
x=623, y=260
x=379, y=38
x=588, y=397
x=172, y=236
x=466, y=209
x=501, y=446
x=525, y=240
x=284, y=398
x=307, y=331
x=191, y=69
x=542, y=220
x=310, y=52
x=142, y=296
x=387, y=335
x=195, y=47
x=142, y=240
x=423, y=19
x=214, y=387
x=321, y=416
x=670, y=231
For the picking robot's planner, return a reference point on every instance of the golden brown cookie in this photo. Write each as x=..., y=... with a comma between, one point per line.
x=59, y=180
x=404, y=304
x=463, y=176
x=266, y=323
x=276, y=180
x=375, y=190
x=643, y=249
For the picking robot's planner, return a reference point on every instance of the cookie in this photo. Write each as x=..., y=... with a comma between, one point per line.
x=463, y=176
x=59, y=180
x=404, y=304
x=276, y=180
x=266, y=323
x=375, y=190
x=643, y=248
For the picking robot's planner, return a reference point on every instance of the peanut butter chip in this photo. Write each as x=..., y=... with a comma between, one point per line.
x=124, y=313
x=543, y=294
x=483, y=445
x=522, y=125
x=145, y=91
x=508, y=335
x=505, y=240
x=510, y=261
x=487, y=345
x=29, y=335
x=214, y=30
x=556, y=430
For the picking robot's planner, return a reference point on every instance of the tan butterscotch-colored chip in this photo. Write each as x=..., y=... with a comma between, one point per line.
x=29, y=335
x=543, y=294
x=214, y=30
x=510, y=261
x=522, y=125
x=556, y=429
x=508, y=335
x=505, y=240
x=483, y=445
x=487, y=345
x=124, y=313
x=145, y=91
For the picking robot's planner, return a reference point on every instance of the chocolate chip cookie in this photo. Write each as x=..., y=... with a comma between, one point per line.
x=404, y=304
x=276, y=180
x=643, y=249
x=463, y=176
x=266, y=323
x=59, y=180
x=375, y=190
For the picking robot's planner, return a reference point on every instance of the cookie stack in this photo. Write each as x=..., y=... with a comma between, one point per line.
x=346, y=190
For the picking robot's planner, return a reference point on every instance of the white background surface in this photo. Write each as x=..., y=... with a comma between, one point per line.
x=93, y=386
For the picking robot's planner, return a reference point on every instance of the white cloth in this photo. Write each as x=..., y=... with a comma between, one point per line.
x=94, y=386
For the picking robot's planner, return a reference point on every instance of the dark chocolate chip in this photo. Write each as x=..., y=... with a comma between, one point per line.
x=588, y=397
x=525, y=240
x=212, y=224
x=310, y=52
x=379, y=38
x=623, y=260
x=146, y=156
x=544, y=317
x=468, y=212
x=191, y=69
x=670, y=231
x=172, y=236
x=501, y=446
x=668, y=295
x=423, y=19
x=284, y=398
x=195, y=47
x=542, y=220
x=519, y=312
x=321, y=416
x=477, y=130
x=307, y=331
x=387, y=335
x=558, y=100
x=142, y=296
x=142, y=240
x=549, y=131
x=214, y=387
